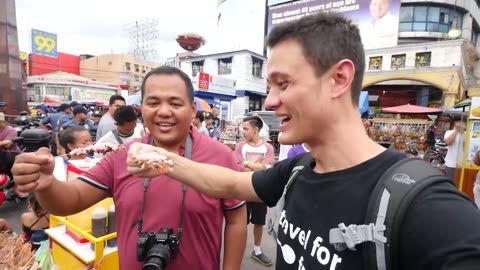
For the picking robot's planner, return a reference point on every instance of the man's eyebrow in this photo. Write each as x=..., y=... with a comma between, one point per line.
x=276, y=75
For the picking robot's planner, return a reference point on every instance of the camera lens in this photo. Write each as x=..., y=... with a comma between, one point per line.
x=157, y=257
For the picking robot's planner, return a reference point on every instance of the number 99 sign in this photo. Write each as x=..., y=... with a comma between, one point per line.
x=44, y=43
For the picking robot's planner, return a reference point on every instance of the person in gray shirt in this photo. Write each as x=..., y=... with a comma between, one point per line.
x=107, y=123
x=198, y=123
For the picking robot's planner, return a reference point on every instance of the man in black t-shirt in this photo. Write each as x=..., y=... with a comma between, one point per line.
x=315, y=71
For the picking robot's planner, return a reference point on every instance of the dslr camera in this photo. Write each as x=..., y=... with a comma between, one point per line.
x=155, y=250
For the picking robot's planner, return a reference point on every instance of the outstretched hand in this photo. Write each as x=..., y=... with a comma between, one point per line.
x=33, y=171
x=145, y=160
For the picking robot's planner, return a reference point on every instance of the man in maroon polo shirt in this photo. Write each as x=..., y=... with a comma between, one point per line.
x=167, y=108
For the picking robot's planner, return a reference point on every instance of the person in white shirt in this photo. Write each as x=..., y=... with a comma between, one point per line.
x=255, y=154
x=452, y=140
x=107, y=123
x=382, y=30
x=126, y=128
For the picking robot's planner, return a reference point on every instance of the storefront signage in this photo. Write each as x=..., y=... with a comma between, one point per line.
x=214, y=84
x=44, y=43
x=84, y=94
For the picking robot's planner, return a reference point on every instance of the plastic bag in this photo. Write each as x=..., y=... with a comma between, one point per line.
x=44, y=257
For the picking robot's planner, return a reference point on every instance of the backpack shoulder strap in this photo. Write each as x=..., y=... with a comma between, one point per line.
x=392, y=196
x=117, y=137
x=304, y=161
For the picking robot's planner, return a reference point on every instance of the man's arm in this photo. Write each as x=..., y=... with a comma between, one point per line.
x=67, y=198
x=235, y=237
x=33, y=172
x=226, y=183
x=45, y=121
x=450, y=138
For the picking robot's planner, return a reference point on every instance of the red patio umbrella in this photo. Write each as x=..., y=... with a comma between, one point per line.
x=412, y=109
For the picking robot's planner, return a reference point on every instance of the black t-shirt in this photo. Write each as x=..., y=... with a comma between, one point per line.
x=441, y=229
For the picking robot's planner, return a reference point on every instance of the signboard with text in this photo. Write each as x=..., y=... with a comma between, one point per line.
x=44, y=43
x=214, y=84
x=82, y=93
x=377, y=20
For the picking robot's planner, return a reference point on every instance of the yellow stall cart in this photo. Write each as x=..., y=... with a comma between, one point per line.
x=73, y=245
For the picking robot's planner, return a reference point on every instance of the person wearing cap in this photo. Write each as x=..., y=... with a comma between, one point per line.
x=7, y=134
x=56, y=120
x=80, y=119
x=216, y=115
x=212, y=129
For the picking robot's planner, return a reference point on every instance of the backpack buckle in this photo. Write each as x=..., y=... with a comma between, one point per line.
x=349, y=236
x=378, y=233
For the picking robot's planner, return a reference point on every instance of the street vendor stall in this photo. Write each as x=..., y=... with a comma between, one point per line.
x=75, y=244
x=406, y=132
x=466, y=171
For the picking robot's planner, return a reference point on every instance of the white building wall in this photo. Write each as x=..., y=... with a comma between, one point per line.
x=241, y=70
x=443, y=54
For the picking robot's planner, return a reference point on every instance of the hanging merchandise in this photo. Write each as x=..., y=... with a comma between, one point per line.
x=405, y=135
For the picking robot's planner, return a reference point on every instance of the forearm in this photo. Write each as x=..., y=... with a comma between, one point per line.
x=61, y=198
x=41, y=125
x=449, y=140
x=223, y=184
x=235, y=237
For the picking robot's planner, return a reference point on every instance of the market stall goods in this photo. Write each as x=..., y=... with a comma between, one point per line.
x=153, y=160
x=15, y=254
x=96, y=149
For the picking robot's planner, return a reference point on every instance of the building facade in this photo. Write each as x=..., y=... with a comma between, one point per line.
x=41, y=64
x=435, y=62
x=236, y=80
x=120, y=69
x=66, y=87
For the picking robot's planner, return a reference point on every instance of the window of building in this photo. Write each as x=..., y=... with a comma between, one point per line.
x=136, y=78
x=127, y=66
x=398, y=61
x=225, y=66
x=137, y=68
x=474, y=38
x=422, y=59
x=59, y=91
x=257, y=66
x=375, y=63
x=254, y=104
x=197, y=67
x=419, y=18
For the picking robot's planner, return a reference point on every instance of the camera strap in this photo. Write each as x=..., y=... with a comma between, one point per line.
x=146, y=184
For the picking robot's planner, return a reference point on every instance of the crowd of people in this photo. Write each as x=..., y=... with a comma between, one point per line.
x=319, y=56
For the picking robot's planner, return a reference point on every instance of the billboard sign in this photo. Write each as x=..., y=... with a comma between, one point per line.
x=276, y=2
x=214, y=84
x=44, y=43
x=377, y=19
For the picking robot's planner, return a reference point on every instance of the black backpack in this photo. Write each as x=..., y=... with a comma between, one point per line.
x=388, y=204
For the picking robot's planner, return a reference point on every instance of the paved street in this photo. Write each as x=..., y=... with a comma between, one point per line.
x=11, y=212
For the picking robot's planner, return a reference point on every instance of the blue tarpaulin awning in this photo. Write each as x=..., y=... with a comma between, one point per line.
x=363, y=102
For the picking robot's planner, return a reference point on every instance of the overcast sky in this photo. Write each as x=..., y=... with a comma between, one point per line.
x=99, y=26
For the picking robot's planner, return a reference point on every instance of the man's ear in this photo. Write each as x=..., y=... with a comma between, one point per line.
x=342, y=73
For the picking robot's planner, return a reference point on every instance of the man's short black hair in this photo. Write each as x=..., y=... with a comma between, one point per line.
x=255, y=121
x=115, y=98
x=200, y=116
x=326, y=39
x=124, y=114
x=167, y=70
